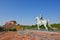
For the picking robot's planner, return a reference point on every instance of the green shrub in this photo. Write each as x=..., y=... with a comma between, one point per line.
x=10, y=29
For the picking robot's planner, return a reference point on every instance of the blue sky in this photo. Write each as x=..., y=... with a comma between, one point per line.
x=25, y=11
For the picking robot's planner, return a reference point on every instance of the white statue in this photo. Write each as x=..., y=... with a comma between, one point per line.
x=40, y=21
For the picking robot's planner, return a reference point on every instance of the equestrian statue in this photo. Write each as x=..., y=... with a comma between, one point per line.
x=40, y=21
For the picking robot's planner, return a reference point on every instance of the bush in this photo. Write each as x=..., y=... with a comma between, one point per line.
x=1, y=29
x=10, y=29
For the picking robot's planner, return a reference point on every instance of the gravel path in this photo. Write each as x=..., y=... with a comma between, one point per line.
x=44, y=35
x=29, y=35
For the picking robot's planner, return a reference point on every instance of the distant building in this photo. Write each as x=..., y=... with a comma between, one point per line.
x=12, y=22
x=12, y=25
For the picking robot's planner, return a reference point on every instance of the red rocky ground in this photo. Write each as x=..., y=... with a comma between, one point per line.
x=30, y=35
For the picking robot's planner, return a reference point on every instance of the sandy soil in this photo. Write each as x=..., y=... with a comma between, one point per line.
x=30, y=35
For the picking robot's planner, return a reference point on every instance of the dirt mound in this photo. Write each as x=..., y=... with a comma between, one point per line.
x=45, y=35
x=30, y=35
x=16, y=36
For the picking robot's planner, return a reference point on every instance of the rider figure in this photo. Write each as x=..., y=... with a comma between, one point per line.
x=41, y=18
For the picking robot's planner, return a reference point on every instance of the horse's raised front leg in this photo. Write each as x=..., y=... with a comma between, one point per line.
x=50, y=27
x=46, y=27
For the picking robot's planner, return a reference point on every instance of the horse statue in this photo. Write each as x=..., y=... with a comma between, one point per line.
x=40, y=21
